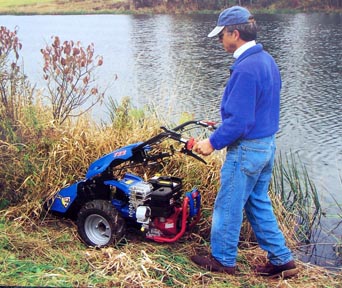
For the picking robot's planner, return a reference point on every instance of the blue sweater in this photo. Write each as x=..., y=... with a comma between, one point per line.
x=251, y=101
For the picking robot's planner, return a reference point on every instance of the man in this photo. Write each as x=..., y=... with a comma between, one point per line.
x=250, y=118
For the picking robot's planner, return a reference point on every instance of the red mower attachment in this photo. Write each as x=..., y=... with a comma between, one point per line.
x=183, y=219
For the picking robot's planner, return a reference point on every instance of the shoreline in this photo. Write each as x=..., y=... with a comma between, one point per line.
x=33, y=11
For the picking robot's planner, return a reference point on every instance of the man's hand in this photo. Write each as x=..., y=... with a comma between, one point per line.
x=203, y=147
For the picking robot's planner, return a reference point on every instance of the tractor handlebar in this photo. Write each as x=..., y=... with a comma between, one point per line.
x=206, y=124
x=175, y=135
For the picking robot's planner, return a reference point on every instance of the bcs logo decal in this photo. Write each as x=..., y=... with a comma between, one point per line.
x=120, y=153
x=65, y=200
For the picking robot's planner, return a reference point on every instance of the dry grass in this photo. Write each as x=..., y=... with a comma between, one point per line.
x=40, y=250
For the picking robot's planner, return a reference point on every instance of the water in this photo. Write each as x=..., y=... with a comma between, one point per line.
x=168, y=61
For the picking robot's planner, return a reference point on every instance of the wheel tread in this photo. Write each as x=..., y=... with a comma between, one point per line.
x=106, y=210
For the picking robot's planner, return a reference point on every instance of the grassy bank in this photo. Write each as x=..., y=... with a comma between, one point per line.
x=39, y=158
x=62, y=7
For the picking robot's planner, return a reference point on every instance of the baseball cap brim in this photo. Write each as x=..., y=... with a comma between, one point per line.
x=216, y=31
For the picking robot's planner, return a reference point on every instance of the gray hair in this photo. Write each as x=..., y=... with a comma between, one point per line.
x=248, y=31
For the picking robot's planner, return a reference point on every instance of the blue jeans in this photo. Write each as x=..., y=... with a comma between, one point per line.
x=245, y=177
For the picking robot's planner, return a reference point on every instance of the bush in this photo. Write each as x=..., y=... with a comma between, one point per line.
x=69, y=71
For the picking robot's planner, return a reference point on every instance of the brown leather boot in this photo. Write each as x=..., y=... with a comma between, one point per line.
x=211, y=264
x=273, y=271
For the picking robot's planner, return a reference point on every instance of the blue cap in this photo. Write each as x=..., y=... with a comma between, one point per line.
x=231, y=16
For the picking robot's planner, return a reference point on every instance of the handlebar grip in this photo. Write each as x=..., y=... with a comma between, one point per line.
x=190, y=143
x=210, y=123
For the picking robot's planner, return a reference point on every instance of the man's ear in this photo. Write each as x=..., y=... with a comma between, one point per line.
x=236, y=34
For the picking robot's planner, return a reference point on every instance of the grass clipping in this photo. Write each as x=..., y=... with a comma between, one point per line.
x=46, y=251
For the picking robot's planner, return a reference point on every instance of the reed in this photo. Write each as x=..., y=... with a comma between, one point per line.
x=298, y=194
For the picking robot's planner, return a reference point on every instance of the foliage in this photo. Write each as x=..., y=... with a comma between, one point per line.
x=14, y=89
x=15, y=98
x=121, y=113
x=69, y=71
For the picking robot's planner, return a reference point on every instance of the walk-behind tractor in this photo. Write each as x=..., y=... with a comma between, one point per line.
x=110, y=199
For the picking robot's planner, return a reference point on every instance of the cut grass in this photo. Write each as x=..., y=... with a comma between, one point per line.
x=50, y=255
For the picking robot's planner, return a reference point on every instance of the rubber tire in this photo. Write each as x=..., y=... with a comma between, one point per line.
x=99, y=224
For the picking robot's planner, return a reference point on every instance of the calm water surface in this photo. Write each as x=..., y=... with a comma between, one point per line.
x=168, y=61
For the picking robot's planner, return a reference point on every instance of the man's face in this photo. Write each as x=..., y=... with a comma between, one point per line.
x=228, y=40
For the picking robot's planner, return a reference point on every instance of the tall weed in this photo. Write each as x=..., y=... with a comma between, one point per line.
x=298, y=194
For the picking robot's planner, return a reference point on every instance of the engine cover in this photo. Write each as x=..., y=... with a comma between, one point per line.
x=165, y=196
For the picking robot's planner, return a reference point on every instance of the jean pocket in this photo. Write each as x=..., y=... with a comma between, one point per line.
x=253, y=160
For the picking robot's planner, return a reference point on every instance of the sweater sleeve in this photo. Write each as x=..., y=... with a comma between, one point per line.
x=237, y=110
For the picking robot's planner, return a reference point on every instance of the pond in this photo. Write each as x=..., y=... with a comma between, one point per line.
x=168, y=62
